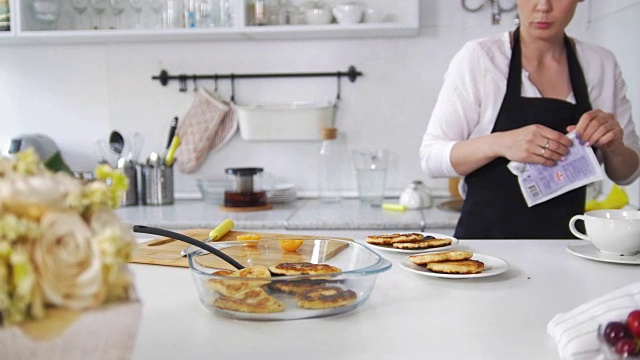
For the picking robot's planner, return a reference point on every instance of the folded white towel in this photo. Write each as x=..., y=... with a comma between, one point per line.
x=576, y=331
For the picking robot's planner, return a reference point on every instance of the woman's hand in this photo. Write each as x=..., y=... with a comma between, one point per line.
x=600, y=129
x=534, y=144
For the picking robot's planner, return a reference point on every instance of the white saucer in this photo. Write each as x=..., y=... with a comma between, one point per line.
x=492, y=266
x=586, y=250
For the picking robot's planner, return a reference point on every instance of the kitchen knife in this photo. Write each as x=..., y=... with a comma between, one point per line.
x=172, y=130
x=171, y=153
x=216, y=234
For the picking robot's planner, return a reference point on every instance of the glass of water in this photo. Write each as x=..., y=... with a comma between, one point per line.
x=371, y=174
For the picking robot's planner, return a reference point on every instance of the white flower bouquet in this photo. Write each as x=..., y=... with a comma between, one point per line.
x=61, y=244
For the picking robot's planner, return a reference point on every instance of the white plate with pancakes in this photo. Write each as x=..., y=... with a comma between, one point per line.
x=390, y=248
x=492, y=266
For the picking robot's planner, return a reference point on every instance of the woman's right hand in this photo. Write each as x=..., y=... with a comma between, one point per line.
x=535, y=143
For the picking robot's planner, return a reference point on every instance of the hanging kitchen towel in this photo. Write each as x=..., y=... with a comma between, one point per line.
x=197, y=130
x=576, y=331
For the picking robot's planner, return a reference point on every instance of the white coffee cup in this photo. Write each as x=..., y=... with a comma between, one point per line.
x=615, y=232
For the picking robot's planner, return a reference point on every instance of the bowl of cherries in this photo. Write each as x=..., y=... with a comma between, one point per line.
x=621, y=339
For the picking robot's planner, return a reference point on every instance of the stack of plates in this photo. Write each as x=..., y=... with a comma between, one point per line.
x=282, y=192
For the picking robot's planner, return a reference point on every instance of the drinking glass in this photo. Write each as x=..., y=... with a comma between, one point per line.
x=371, y=173
x=173, y=18
x=156, y=8
x=80, y=7
x=118, y=7
x=136, y=5
x=45, y=13
x=99, y=6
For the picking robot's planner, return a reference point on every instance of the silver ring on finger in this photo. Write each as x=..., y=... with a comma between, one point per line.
x=546, y=145
x=542, y=151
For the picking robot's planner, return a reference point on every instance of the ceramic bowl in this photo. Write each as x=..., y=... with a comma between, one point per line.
x=359, y=266
x=348, y=13
x=317, y=14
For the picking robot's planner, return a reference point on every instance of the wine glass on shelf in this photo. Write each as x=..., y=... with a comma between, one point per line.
x=80, y=7
x=137, y=5
x=118, y=7
x=156, y=8
x=99, y=6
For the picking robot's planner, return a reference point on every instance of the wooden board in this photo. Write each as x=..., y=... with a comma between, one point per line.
x=166, y=251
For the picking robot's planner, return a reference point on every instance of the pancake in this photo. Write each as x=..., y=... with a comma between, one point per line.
x=234, y=286
x=303, y=268
x=424, y=244
x=326, y=297
x=294, y=287
x=389, y=239
x=457, y=267
x=254, y=300
x=422, y=259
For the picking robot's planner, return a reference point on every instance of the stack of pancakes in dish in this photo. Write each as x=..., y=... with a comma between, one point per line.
x=449, y=262
x=412, y=241
x=259, y=293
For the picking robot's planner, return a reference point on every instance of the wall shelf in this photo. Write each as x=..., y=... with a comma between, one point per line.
x=404, y=22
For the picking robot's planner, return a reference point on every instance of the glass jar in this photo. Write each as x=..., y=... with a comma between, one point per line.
x=45, y=13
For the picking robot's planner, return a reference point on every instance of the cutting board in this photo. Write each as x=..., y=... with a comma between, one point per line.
x=166, y=251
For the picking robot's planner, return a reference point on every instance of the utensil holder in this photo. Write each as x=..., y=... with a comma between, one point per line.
x=157, y=185
x=130, y=197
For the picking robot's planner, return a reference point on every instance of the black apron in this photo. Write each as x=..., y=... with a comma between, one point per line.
x=494, y=207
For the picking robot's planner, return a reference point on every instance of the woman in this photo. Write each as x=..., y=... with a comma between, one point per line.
x=514, y=97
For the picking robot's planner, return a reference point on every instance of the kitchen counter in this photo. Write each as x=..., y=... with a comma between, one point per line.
x=304, y=214
x=408, y=316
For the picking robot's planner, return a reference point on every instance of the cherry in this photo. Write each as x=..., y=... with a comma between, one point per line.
x=633, y=322
x=614, y=332
x=628, y=347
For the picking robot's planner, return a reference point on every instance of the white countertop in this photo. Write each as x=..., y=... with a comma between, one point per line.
x=408, y=316
x=304, y=214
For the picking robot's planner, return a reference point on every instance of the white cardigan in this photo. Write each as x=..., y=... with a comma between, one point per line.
x=475, y=85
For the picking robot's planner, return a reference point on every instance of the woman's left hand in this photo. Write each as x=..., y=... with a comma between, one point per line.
x=600, y=129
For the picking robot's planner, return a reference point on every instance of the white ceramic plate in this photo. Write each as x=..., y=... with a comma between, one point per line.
x=492, y=266
x=586, y=250
x=454, y=242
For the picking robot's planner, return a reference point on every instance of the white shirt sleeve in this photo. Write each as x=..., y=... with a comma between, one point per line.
x=456, y=112
x=608, y=92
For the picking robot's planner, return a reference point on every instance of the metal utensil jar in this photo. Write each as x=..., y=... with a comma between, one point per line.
x=130, y=197
x=157, y=185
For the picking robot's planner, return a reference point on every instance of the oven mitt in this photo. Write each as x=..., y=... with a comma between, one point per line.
x=198, y=128
x=224, y=133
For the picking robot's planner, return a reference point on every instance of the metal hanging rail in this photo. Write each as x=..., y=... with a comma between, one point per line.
x=164, y=77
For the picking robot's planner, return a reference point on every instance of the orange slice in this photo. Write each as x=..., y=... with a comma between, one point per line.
x=290, y=245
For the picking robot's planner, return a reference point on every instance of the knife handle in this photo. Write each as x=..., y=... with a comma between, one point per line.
x=172, y=130
x=221, y=230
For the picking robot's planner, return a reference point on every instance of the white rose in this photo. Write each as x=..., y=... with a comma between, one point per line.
x=67, y=263
x=34, y=195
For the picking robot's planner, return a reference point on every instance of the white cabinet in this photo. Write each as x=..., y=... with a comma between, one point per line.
x=402, y=19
